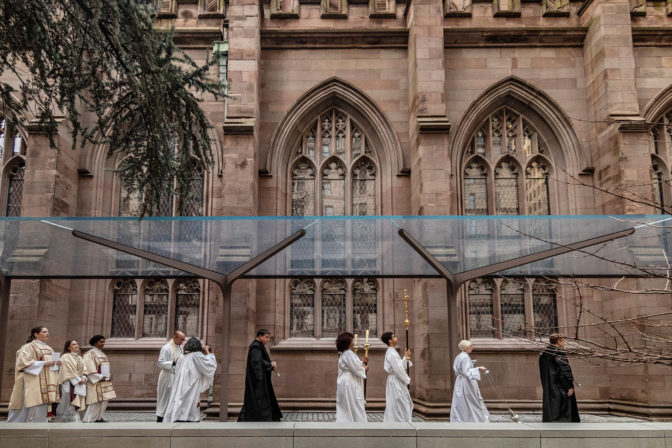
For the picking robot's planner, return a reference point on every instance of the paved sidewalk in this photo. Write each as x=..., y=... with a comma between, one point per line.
x=319, y=416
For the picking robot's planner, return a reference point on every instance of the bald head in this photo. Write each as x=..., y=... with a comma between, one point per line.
x=178, y=338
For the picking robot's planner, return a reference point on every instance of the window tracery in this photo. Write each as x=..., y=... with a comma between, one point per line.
x=333, y=173
x=518, y=184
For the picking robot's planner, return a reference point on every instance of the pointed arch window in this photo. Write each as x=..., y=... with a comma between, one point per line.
x=303, y=188
x=661, y=154
x=334, y=172
x=15, y=190
x=537, y=188
x=506, y=188
x=660, y=183
x=519, y=184
x=475, y=188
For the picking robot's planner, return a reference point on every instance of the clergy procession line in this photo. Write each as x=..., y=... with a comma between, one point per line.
x=82, y=385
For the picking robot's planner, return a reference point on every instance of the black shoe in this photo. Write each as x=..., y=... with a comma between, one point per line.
x=101, y=421
x=159, y=419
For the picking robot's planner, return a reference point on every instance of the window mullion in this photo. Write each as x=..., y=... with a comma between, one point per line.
x=140, y=312
x=317, y=318
x=348, y=306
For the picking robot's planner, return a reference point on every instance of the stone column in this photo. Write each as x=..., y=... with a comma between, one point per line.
x=237, y=192
x=430, y=194
x=619, y=134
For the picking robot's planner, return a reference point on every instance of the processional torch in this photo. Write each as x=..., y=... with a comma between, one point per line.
x=366, y=358
x=407, y=323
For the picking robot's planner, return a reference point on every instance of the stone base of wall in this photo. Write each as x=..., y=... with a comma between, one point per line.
x=330, y=435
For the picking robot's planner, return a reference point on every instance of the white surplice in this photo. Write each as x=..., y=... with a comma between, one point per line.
x=193, y=375
x=167, y=357
x=398, y=402
x=350, y=404
x=467, y=404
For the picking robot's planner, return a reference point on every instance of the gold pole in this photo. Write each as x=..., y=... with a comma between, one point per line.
x=407, y=323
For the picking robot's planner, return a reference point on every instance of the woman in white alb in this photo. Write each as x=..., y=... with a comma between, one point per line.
x=350, y=403
x=468, y=405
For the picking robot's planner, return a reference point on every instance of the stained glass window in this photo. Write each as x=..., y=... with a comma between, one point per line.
x=545, y=314
x=518, y=183
x=155, y=310
x=187, y=306
x=364, y=304
x=333, y=307
x=302, y=308
x=334, y=172
x=15, y=190
x=124, y=309
x=480, y=308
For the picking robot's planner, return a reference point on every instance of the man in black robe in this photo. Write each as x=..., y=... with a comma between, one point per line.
x=260, y=404
x=559, y=401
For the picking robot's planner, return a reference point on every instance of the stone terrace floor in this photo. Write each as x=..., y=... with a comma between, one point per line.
x=321, y=416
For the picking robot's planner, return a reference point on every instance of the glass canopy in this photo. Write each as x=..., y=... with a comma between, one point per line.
x=333, y=246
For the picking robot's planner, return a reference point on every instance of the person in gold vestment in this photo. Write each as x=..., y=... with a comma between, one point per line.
x=72, y=378
x=35, y=384
x=99, y=388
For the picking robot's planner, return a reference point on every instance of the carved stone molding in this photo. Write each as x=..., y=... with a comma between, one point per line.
x=515, y=37
x=287, y=39
x=433, y=124
x=239, y=126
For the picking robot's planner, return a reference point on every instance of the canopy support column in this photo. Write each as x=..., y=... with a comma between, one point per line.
x=224, y=281
x=5, y=284
x=454, y=282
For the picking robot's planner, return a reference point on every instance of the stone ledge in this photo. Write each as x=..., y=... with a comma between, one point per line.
x=364, y=38
x=514, y=37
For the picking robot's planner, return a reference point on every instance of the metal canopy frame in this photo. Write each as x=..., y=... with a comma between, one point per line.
x=225, y=282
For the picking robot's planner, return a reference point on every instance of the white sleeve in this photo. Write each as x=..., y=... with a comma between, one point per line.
x=353, y=363
x=34, y=368
x=396, y=366
x=94, y=377
x=466, y=368
x=75, y=381
x=166, y=359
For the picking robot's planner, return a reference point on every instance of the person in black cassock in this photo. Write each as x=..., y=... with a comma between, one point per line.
x=260, y=404
x=559, y=401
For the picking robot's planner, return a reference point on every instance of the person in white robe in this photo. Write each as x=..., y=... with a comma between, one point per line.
x=350, y=401
x=99, y=389
x=468, y=405
x=398, y=402
x=72, y=380
x=168, y=357
x=35, y=383
x=194, y=373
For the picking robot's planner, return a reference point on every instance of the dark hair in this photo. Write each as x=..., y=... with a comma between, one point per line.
x=262, y=332
x=386, y=337
x=193, y=345
x=66, y=347
x=343, y=341
x=35, y=330
x=94, y=340
x=555, y=338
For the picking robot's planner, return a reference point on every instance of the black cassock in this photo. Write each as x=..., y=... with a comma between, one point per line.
x=556, y=380
x=260, y=404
